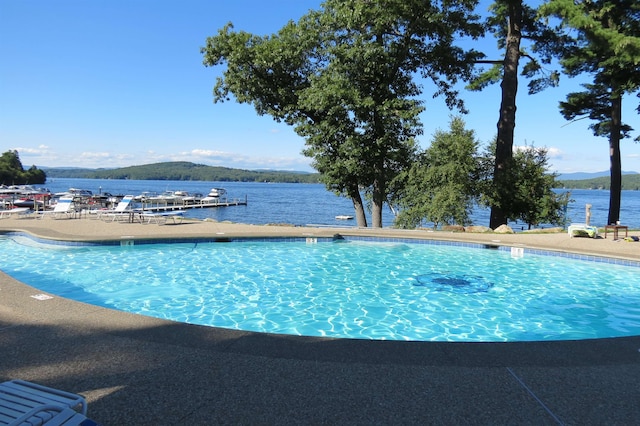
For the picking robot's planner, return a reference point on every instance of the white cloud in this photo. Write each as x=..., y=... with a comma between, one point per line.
x=95, y=155
x=43, y=156
x=34, y=152
x=555, y=153
x=552, y=152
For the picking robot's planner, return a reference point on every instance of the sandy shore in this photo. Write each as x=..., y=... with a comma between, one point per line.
x=137, y=370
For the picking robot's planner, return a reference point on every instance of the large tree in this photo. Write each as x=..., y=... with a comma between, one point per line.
x=534, y=201
x=344, y=77
x=512, y=22
x=605, y=44
x=12, y=172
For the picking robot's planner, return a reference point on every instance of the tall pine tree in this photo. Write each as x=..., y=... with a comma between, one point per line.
x=605, y=43
x=522, y=36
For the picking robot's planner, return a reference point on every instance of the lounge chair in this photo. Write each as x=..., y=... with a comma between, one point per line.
x=20, y=211
x=161, y=217
x=27, y=403
x=121, y=211
x=63, y=208
x=582, y=230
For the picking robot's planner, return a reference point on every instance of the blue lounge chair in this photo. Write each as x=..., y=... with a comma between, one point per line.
x=27, y=403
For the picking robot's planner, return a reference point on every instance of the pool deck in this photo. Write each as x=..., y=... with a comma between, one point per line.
x=144, y=371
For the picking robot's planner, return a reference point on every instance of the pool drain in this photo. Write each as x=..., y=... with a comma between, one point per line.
x=453, y=283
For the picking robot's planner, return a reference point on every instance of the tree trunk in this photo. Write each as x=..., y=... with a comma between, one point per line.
x=376, y=214
x=377, y=201
x=358, y=207
x=507, y=120
x=614, y=156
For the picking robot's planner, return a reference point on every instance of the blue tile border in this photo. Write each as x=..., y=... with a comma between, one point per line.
x=347, y=238
x=578, y=256
x=501, y=247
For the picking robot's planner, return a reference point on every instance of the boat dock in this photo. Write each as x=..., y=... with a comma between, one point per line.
x=164, y=207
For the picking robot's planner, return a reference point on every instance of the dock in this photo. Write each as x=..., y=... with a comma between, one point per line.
x=164, y=207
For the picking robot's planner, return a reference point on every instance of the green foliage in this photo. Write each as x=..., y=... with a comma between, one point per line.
x=70, y=172
x=182, y=170
x=12, y=172
x=441, y=187
x=535, y=202
x=605, y=43
x=522, y=35
x=629, y=182
x=527, y=194
x=343, y=77
x=595, y=103
x=532, y=30
x=604, y=36
x=603, y=40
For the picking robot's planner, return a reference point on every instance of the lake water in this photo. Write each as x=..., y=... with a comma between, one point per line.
x=304, y=204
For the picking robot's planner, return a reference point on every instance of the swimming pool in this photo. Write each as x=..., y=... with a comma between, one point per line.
x=346, y=288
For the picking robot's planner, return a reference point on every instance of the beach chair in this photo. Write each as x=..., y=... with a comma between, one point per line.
x=63, y=208
x=161, y=218
x=121, y=211
x=27, y=403
x=19, y=211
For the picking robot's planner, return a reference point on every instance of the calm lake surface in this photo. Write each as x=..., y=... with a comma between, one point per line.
x=308, y=204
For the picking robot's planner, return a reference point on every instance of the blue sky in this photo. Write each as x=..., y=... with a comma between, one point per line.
x=111, y=83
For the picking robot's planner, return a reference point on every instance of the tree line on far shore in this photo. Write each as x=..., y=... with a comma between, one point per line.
x=184, y=170
x=630, y=182
x=13, y=173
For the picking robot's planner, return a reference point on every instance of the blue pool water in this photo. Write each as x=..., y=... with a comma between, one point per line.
x=349, y=289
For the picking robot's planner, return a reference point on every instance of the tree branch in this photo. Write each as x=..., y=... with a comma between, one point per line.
x=489, y=61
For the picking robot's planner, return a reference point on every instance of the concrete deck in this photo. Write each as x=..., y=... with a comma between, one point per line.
x=145, y=371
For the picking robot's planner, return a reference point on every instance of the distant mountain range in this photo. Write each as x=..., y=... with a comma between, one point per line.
x=583, y=176
x=181, y=170
x=601, y=180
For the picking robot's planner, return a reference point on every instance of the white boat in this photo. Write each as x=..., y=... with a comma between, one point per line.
x=24, y=196
x=167, y=197
x=29, y=203
x=188, y=198
x=214, y=195
x=217, y=192
x=22, y=190
x=344, y=217
x=145, y=197
x=74, y=192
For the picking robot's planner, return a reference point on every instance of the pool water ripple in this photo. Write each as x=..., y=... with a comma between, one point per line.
x=352, y=289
